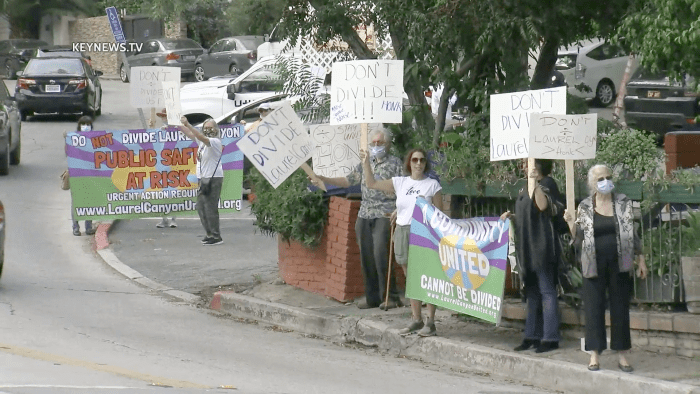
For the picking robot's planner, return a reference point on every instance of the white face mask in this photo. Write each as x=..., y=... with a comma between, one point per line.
x=377, y=151
x=85, y=127
x=606, y=186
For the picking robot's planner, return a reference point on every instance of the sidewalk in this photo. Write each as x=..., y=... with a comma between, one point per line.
x=173, y=262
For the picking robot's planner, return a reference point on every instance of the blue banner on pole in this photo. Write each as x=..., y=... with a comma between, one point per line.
x=115, y=24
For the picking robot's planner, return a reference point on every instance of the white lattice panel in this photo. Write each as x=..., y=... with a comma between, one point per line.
x=325, y=58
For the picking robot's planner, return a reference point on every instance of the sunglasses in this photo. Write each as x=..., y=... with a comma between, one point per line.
x=601, y=179
x=418, y=160
x=208, y=129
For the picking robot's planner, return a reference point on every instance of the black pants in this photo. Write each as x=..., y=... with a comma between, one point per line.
x=618, y=286
x=208, y=208
x=373, y=240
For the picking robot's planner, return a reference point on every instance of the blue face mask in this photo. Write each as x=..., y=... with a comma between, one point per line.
x=85, y=127
x=377, y=151
x=606, y=186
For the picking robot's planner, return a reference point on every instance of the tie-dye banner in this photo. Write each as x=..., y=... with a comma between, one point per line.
x=124, y=174
x=457, y=264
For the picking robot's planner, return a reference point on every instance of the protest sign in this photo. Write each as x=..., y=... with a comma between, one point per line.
x=146, y=85
x=123, y=174
x=457, y=264
x=563, y=137
x=510, y=119
x=337, y=149
x=171, y=96
x=278, y=145
x=367, y=91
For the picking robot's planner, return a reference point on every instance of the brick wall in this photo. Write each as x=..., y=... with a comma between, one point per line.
x=97, y=29
x=682, y=150
x=332, y=268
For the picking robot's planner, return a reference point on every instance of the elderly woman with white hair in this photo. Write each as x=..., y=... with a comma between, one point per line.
x=373, y=220
x=210, y=174
x=607, y=243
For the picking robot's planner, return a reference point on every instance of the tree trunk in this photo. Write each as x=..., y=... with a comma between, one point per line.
x=441, y=114
x=545, y=63
x=620, y=101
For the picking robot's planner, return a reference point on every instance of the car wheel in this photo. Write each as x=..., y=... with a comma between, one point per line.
x=98, y=108
x=15, y=154
x=122, y=74
x=233, y=69
x=605, y=93
x=23, y=114
x=199, y=73
x=9, y=70
x=5, y=158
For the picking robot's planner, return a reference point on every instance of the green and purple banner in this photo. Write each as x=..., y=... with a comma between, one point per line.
x=457, y=264
x=123, y=174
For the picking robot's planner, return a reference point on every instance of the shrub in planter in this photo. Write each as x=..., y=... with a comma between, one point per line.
x=690, y=263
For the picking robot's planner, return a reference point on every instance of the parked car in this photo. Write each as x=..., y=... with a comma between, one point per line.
x=213, y=98
x=63, y=85
x=599, y=68
x=15, y=53
x=655, y=103
x=566, y=60
x=231, y=55
x=249, y=113
x=165, y=52
x=10, y=131
x=62, y=51
x=2, y=237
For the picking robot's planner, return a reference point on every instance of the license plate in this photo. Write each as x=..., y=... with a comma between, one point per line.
x=52, y=88
x=188, y=58
x=653, y=94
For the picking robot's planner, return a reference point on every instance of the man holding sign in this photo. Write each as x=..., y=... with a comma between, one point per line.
x=373, y=225
x=210, y=174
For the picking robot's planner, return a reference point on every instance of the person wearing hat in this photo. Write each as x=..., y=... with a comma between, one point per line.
x=263, y=110
x=163, y=115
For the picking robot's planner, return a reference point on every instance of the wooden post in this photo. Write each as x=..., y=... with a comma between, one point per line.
x=152, y=119
x=363, y=137
x=313, y=176
x=570, y=195
x=531, y=182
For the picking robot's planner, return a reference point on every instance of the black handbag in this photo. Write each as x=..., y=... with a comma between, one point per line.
x=205, y=183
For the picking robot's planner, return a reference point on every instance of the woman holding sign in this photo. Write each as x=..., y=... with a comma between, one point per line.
x=407, y=189
x=606, y=242
x=538, y=250
x=210, y=175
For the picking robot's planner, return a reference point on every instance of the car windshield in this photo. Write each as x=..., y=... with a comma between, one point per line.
x=54, y=66
x=181, y=44
x=251, y=43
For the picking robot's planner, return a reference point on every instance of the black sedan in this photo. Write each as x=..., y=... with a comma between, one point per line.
x=63, y=85
x=165, y=52
x=15, y=53
x=656, y=103
x=10, y=131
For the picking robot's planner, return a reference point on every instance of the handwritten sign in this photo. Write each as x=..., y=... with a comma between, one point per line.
x=367, y=91
x=337, y=149
x=279, y=145
x=146, y=85
x=171, y=96
x=562, y=137
x=510, y=119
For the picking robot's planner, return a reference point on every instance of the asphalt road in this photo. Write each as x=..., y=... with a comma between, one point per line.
x=70, y=324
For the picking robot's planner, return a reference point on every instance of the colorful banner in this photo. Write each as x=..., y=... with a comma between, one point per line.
x=457, y=264
x=124, y=174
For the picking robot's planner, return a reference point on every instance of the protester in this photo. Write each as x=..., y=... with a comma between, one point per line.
x=84, y=125
x=606, y=242
x=210, y=174
x=538, y=251
x=373, y=225
x=407, y=190
x=263, y=109
x=163, y=115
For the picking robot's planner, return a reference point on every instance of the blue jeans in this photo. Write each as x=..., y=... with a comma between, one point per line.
x=542, y=322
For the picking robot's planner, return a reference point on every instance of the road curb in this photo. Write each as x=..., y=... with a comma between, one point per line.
x=108, y=256
x=538, y=371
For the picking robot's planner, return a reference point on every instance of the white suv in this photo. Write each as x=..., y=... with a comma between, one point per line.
x=600, y=68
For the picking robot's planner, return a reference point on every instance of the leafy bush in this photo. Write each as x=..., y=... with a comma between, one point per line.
x=291, y=210
x=630, y=151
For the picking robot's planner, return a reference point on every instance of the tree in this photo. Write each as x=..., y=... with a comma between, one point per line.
x=665, y=34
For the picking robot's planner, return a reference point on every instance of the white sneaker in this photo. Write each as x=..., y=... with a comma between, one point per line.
x=163, y=223
x=172, y=223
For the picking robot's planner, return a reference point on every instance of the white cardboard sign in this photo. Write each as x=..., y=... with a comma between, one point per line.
x=510, y=119
x=367, y=91
x=171, y=96
x=279, y=145
x=337, y=149
x=562, y=137
x=146, y=87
